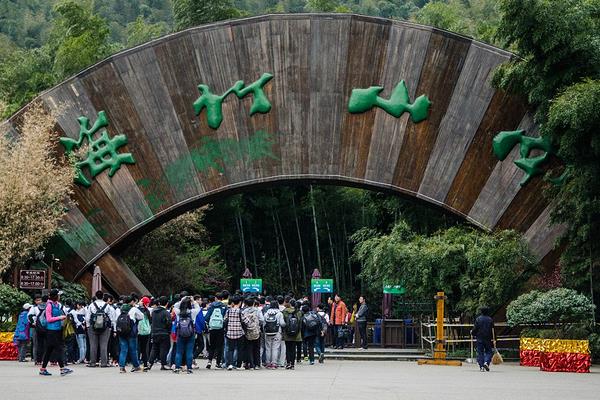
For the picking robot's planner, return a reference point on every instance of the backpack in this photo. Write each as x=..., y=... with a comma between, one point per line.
x=144, y=325
x=124, y=325
x=99, y=319
x=251, y=325
x=271, y=324
x=312, y=322
x=216, y=319
x=185, y=326
x=41, y=323
x=292, y=326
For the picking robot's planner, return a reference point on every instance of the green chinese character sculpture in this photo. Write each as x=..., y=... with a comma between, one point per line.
x=504, y=142
x=101, y=153
x=214, y=103
x=362, y=100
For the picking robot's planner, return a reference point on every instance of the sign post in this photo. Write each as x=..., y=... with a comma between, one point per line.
x=32, y=279
x=321, y=285
x=393, y=289
x=251, y=285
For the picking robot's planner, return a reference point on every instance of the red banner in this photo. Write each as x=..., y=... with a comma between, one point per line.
x=565, y=362
x=8, y=351
x=529, y=358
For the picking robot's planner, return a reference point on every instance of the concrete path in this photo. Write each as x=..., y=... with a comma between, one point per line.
x=332, y=380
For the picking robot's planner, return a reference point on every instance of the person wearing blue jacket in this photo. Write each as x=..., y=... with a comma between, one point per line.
x=21, y=336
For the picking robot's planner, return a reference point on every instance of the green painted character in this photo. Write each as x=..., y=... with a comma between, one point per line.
x=101, y=153
x=214, y=103
x=504, y=142
x=362, y=100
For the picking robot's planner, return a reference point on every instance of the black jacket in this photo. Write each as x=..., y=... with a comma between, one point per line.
x=483, y=328
x=160, y=322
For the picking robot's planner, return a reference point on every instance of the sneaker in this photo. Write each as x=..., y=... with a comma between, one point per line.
x=292, y=367
x=177, y=370
x=481, y=369
x=147, y=368
x=122, y=370
x=312, y=363
x=256, y=367
x=44, y=372
x=92, y=365
x=135, y=369
x=163, y=368
x=321, y=358
x=230, y=368
x=65, y=371
x=486, y=366
x=218, y=366
x=209, y=365
x=189, y=371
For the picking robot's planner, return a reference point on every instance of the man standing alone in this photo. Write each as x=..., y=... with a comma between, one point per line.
x=361, y=321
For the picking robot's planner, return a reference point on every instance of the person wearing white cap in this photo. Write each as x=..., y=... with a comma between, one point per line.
x=21, y=336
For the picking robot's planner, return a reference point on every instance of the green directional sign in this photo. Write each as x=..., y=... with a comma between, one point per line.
x=321, y=285
x=251, y=285
x=393, y=289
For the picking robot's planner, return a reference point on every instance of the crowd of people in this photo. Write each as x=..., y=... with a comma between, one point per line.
x=239, y=331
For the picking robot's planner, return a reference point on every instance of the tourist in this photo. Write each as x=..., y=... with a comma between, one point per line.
x=144, y=330
x=200, y=344
x=39, y=339
x=54, y=315
x=215, y=317
x=31, y=317
x=282, y=349
x=100, y=318
x=186, y=334
x=253, y=320
x=311, y=328
x=274, y=321
x=361, y=321
x=292, y=333
x=78, y=314
x=128, y=318
x=339, y=313
x=483, y=332
x=21, y=335
x=234, y=333
x=320, y=340
x=160, y=331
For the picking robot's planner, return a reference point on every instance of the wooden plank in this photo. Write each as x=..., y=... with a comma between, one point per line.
x=328, y=100
x=470, y=98
x=81, y=236
x=366, y=59
x=119, y=276
x=542, y=235
x=444, y=60
x=503, y=184
x=70, y=101
x=107, y=92
x=406, y=52
x=253, y=45
x=143, y=80
x=290, y=46
x=180, y=71
x=503, y=114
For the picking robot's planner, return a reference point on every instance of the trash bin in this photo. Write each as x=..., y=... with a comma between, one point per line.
x=377, y=332
x=409, y=332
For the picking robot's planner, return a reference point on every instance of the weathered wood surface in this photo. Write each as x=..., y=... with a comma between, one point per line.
x=316, y=61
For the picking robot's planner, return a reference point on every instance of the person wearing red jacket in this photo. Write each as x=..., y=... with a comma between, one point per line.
x=339, y=314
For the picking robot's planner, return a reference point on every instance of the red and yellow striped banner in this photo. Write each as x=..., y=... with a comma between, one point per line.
x=556, y=355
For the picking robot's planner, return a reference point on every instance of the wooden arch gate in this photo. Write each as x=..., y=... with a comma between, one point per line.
x=284, y=98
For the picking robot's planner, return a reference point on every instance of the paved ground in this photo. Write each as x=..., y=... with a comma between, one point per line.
x=332, y=380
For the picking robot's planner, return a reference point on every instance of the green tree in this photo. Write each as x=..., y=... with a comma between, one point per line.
x=11, y=301
x=189, y=13
x=473, y=268
x=141, y=31
x=558, y=72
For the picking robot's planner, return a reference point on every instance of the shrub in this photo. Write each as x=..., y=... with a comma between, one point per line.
x=11, y=301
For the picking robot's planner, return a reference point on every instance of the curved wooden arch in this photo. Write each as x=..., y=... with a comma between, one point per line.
x=308, y=133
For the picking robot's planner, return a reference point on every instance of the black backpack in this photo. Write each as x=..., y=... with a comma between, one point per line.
x=312, y=322
x=271, y=324
x=124, y=325
x=292, y=326
x=99, y=320
x=185, y=326
x=41, y=325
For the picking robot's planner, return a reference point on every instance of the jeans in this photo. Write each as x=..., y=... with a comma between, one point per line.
x=22, y=346
x=40, y=346
x=215, y=348
x=339, y=341
x=81, y=344
x=160, y=348
x=128, y=346
x=290, y=352
x=252, y=353
x=362, y=330
x=272, y=346
x=33, y=336
x=310, y=345
x=484, y=352
x=320, y=344
x=99, y=339
x=233, y=346
x=144, y=348
x=185, y=345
